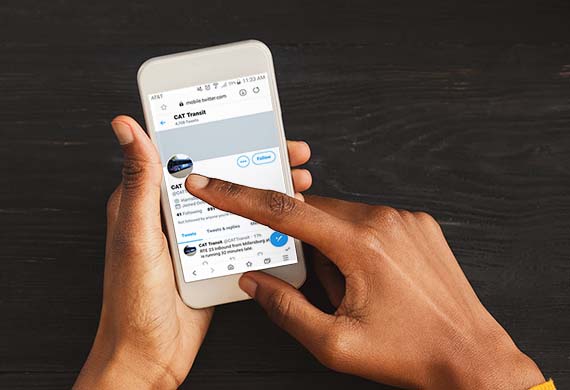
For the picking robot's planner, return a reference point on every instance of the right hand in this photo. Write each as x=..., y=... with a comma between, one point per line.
x=406, y=314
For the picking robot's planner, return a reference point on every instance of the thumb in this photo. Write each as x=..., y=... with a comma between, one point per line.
x=142, y=175
x=290, y=310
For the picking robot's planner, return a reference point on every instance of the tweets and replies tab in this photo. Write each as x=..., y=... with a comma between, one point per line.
x=234, y=138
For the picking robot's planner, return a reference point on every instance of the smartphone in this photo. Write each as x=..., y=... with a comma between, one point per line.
x=216, y=112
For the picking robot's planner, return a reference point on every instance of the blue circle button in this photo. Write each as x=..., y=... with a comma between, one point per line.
x=278, y=239
x=243, y=161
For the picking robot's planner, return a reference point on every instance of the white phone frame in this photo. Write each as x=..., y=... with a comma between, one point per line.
x=203, y=66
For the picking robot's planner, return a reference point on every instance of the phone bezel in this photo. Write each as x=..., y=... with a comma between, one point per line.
x=202, y=66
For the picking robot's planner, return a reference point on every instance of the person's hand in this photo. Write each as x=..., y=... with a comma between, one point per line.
x=147, y=337
x=405, y=313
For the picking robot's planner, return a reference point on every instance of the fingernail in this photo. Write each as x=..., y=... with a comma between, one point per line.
x=248, y=285
x=123, y=132
x=197, y=181
x=307, y=146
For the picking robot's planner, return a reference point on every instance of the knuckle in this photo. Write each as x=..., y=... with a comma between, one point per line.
x=228, y=189
x=152, y=248
x=406, y=215
x=388, y=215
x=426, y=219
x=135, y=173
x=359, y=293
x=280, y=204
x=384, y=214
x=279, y=307
x=386, y=220
x=368, y=238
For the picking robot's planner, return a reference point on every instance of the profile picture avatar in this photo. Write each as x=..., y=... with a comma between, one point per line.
x=179, y=166
x=189, y=250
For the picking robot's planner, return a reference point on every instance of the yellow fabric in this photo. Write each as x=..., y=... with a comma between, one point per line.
x=545, y=386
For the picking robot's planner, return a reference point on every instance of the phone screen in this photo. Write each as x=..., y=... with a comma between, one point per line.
x=226, y=129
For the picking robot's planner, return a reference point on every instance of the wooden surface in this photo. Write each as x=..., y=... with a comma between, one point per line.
x=460, y=108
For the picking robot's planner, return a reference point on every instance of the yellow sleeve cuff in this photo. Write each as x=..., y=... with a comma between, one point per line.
x=545, y=386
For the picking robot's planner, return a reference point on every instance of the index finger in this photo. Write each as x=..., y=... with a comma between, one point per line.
x=299, y=152
x=276, y=210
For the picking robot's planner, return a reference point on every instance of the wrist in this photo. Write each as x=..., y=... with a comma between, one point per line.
x=492, y=362
x=122, y=368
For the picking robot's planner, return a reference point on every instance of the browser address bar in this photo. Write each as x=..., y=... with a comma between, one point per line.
x=187, y=107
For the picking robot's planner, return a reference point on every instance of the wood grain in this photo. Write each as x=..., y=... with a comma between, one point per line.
x=461, y=109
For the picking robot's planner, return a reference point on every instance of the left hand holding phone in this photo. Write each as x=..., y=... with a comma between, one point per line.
x=147, y=337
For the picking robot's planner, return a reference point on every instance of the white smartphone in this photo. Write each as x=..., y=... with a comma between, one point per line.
x=216, y=112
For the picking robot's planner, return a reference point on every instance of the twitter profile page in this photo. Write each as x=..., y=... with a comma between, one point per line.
x=226, y=130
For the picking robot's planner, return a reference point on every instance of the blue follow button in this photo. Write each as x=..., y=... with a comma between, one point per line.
x=263, y=157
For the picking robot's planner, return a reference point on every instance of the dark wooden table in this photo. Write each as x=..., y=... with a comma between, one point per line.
x=460, y=108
